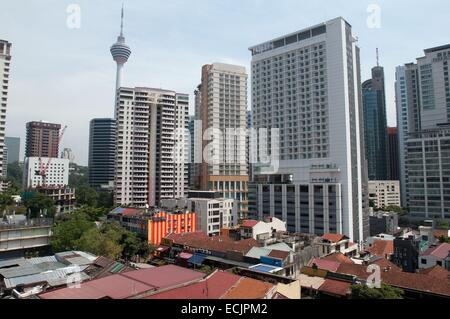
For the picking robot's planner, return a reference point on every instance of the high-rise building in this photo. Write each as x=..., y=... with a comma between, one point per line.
x=423, y=112
x=13, y=144
x=384, y=193
x=150, y=152
x=307, y=85
x=120, y=52
x=42, y=139
x=5, y=161
x=5, y=65
x=102, y=152
x=191, y=163
x=221, y=106
x=393, y=156
x=375, y=125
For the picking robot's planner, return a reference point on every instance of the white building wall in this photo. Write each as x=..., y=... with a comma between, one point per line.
x=57, y=172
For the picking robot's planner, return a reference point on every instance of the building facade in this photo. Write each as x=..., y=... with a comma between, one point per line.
x=213, y=214
x=307, y=84
x=221, y=108
x=57, y=174
x=13, y=144
x=102, y=151
x=154, y=225
x=42, y=139
x=5, y=67
x=423, y=110
x=150, y=153
x=384, y=193
x=393, y=155
x=375, y=125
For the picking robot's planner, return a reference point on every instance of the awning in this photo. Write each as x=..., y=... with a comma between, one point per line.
x=162, y=249
x=197, y=259
x=185, y=256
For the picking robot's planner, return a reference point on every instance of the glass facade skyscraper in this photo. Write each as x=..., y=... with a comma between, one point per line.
x=375, y=125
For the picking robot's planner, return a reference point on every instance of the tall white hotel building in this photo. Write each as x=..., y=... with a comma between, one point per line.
x=150, y=154
x=307, y=84
x=5, y=60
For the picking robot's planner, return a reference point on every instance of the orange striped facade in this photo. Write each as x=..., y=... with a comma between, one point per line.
x=163, y=224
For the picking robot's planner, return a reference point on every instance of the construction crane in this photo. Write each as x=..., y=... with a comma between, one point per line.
x=43, y=168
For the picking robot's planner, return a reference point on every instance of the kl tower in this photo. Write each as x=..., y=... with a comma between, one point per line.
x=120, y=53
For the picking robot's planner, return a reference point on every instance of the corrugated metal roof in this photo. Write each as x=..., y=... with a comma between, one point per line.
x=52, y=277
x=257, y=252
x=12, y=262
x=39, y=260
x=24, y=270
x=79, y=261
x=280, y=246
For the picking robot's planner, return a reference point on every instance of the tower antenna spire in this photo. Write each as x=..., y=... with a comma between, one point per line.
x=378, y=58
x=121, y=23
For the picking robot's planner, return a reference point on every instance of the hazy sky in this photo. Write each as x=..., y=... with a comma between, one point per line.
x=67, y=76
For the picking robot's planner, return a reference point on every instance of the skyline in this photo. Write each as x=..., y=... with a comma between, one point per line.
x=73, y=62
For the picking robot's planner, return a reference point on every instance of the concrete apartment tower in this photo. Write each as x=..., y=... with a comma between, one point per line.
x=42, y=139
x=307, y=84
x=150, y=156
x=5, y=65
x=423, y=112
x=221, y=105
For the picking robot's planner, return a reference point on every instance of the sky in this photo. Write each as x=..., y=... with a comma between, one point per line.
x=64, y=74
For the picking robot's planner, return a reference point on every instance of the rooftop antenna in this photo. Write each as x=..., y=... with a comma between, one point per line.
x=121, y=23
x=378, y=58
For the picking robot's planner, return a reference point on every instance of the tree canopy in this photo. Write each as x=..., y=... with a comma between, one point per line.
x=80, y=232
x=385, y=292
x=37, y=203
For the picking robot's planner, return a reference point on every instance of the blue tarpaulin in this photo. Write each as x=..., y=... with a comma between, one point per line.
x=197, y=259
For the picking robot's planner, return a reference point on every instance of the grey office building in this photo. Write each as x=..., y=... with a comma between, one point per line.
x=13, y=144
x=102, y=145
x=423, y=111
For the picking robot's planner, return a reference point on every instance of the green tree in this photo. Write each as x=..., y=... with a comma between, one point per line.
x=38, y=202
x=15, y=174
x=79, y=176
x=92, y=213
x=385, y=292
x=99, y=243
x=87, y=196
x=67, y=232
x=105, y=200
x=5, y=201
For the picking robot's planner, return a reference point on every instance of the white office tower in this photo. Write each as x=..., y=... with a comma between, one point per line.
x=5, y=64
x=307, y=84
x=423, y=113
x=150, y=155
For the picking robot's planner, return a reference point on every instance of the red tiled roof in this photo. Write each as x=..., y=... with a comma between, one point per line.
x=165, y=276
x=433, y=282
x=218, y=243
x=249, y=223
x=338, y=257
x=334, y=238
x=129, y=284
x=335, y=287
x=279, y=254
x=440, y=251
x=115, y=287
x=324, y=264
x=211, y=288
x=248, y=288
x=382, y=248
x=436, y=272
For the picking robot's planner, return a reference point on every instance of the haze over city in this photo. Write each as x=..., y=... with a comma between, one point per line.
x=67, y=75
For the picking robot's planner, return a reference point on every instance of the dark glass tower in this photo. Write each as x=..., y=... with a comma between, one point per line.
x=375, y=125
x=102, y=144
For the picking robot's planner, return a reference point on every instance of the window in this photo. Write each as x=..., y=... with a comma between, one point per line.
x=423, y=261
